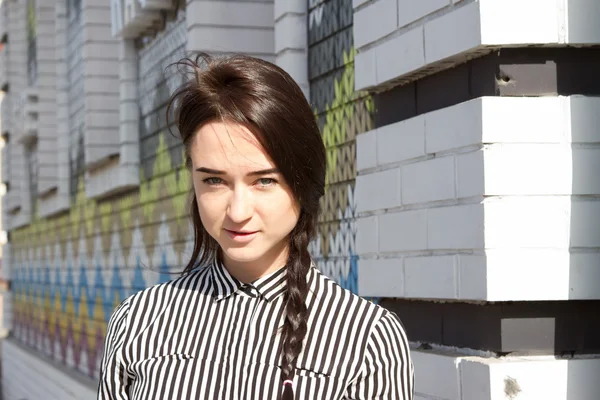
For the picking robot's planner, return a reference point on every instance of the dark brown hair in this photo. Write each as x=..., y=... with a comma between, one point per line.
x=263, y=98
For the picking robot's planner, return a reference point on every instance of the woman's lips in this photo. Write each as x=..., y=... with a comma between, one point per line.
x=241, y=236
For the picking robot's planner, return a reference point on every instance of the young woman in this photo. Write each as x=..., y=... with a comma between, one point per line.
x=251, y=317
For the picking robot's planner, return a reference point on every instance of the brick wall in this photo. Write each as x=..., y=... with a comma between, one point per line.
x=226, y=26
x=481, y=164
x=342, y=114
x=157, y=80
x=69, y=271
x=435, y=34
x=75, y=79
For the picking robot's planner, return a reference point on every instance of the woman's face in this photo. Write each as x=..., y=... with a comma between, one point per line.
x=244, y=202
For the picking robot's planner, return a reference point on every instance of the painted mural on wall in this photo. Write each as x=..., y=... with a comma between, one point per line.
x=342, y=114
x=69, y=272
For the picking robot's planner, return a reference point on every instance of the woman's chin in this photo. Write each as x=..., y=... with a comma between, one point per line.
x=241, y=254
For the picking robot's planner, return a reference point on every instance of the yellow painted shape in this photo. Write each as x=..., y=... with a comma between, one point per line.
x=89, y=212
x=125, y=205
x=116, y=300
x=183, y=187
x=62, y=222
x=146, y=198
x=341, y=110
x=162, y=165
x=74, y=219
x=97, y=322
x=105, y=215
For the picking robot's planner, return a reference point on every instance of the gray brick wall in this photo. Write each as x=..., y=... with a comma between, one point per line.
x=155, y=86
x=76, y=92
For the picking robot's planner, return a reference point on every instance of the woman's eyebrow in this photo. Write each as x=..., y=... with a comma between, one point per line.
x=210, y=171
x=253, y=173
x=264, y=172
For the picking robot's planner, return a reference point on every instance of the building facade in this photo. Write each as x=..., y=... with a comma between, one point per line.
x=462, y=146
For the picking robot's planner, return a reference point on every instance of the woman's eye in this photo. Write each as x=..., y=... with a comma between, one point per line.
x=213, y=181
x=266, y=181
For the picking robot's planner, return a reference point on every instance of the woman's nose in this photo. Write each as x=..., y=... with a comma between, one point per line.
x=240, y=207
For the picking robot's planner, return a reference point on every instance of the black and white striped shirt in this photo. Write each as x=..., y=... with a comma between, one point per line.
x=206, y=335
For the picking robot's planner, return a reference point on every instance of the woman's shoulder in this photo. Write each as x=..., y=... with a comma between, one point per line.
x=166, y=292
x=330, y=295
x=350, y=329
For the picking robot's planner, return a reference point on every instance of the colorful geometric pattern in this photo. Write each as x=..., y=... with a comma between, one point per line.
x=328, y=18
x=342, y=114
x=348, y=115
x=69, y=272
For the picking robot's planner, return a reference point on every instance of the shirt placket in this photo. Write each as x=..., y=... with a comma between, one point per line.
x=249, y=334
x=227, y=340
x=235, y=375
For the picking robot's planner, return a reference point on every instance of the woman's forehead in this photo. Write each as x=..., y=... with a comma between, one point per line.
x=228, y=145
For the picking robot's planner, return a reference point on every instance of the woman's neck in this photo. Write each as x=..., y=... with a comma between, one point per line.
x=249, y=271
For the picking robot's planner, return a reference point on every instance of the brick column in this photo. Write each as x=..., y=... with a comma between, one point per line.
x=231, y=27
x=483, y=232
x=46, y=85
x=291, y=34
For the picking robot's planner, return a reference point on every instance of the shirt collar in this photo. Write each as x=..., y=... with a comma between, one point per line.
x=268, y=287
x=224, y=285
x=273, y=285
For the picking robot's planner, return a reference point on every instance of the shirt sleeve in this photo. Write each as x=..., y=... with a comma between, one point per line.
x=114, y=380
x=387, y=372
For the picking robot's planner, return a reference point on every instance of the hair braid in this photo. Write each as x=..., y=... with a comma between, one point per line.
x=296, y=313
